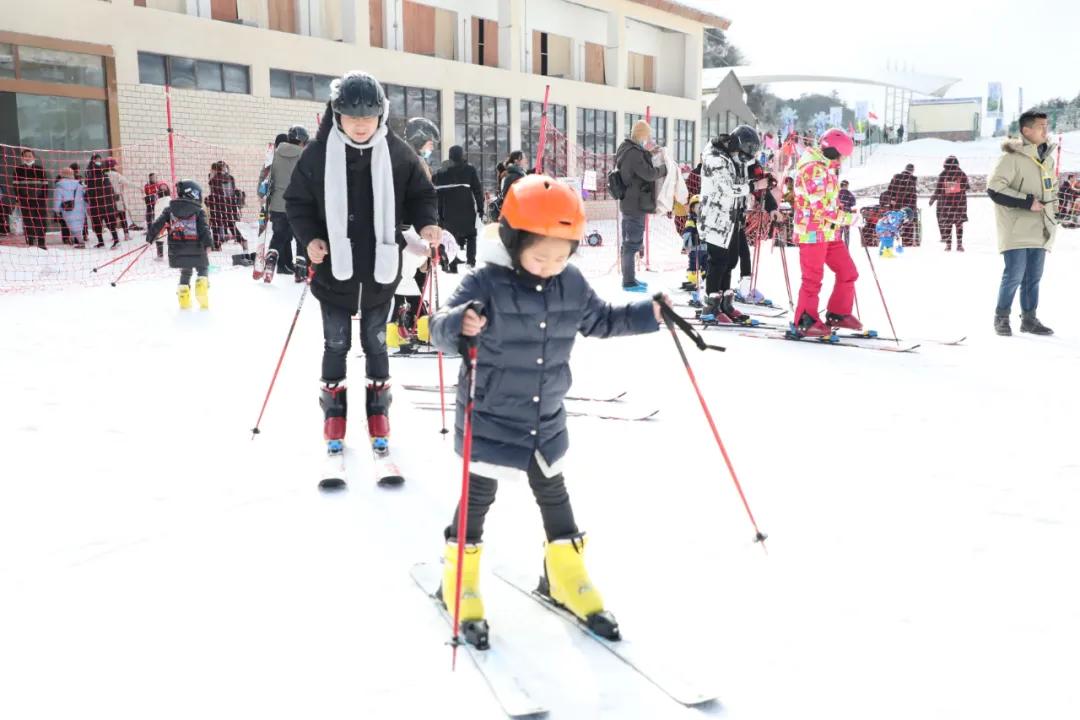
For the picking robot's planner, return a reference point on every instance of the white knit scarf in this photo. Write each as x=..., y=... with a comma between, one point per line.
x=337, y=203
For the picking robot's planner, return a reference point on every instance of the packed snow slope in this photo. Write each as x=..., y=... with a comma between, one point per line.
x=923, y=513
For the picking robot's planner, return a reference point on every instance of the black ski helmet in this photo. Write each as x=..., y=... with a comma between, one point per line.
x=298, y=135
x=419, y=130
x=357, y=94
x=189, y=190
x=745, y=141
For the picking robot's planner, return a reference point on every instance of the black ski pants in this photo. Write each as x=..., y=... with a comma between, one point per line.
x=550, y=494
x=337, y=340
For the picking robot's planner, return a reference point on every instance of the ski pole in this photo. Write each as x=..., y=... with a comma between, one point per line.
x=882, y=293
x=671, y=317
x=138, y=255
x=116, y=259
x=439, y=355
x=311, y=273
x=463, y=502
x=787, y=278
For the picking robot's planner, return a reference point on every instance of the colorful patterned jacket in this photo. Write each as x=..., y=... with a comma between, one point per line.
x=817, y=208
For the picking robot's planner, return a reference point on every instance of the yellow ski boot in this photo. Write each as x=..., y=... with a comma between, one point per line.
x=474, y=627
x=423, y=333
x=202, y=292
x=692, y=277
x=393, y=339
x=183, y=294
x=566, y=582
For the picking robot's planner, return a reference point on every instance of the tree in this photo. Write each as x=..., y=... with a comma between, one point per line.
x=718, y=52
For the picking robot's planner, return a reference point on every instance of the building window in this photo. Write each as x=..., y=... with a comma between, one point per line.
x=684, y=141
x=711, y=127
x=190, y=74
x=640, y=70
x=51, y=122
x=658, y=125
x=299, y=86
x=7, y=60
x=485, y=42
x=551, y=54
x=410, y=102
x=58, y=66
x=554, y=163
x=482, y=127
x=596, y=144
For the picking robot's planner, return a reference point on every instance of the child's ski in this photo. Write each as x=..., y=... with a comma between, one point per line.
x=660, y=669
x=569, y=413
x=387, y=473
x=496, y=664
x=832, y=342
x=334, y=477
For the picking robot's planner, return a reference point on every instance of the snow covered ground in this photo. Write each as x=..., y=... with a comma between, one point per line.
x=923, y=512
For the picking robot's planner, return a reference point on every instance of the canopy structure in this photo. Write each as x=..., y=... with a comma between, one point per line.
x=904, y=80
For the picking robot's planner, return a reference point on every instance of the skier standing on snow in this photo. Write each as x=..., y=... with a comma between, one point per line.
x=525, y=308
x=353, y=189
x=847, y=201
x=725, y=186
x=189, y=239
x=818, y=218
x=286, y=156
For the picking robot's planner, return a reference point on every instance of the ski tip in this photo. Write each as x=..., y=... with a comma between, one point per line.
x=391, y=481
x=332, y=484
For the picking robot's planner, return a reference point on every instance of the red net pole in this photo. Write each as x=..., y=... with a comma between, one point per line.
x=169, y=130
x=543, y=131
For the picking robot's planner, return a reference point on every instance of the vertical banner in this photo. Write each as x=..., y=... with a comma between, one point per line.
x=862, y=109
x=993, y=100
x=836, y=116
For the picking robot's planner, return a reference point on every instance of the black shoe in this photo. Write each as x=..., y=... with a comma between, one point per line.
x=115, y=244
x=1001, y=325
x=1030, y=324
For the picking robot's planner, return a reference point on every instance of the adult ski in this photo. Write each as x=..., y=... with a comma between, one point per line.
x=387, y=473
x=872, y=335
x=496, y=664
x=661, y=670
x=453, y=388
x=833, y=342
x=569, y=413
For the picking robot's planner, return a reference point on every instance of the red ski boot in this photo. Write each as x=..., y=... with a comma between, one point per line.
x=334, y=403
x=845, y=322
x=727, y=306
x=809, y=327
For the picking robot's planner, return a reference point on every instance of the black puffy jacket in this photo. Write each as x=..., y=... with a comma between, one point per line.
x=305, y=204
x=189, y=233
x=523, y=354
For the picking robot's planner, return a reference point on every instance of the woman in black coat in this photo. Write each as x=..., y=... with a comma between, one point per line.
x=950, y=194
x=100, y=200
x=224, y=205
x=355, y=173
x=32, y=194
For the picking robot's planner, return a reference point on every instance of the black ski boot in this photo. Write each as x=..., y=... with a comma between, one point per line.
x=333, y=399
x=1030, y=324
x=1001, y=325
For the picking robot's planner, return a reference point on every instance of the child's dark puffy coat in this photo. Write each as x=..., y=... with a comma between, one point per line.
x=523, y=355
x=189, y=233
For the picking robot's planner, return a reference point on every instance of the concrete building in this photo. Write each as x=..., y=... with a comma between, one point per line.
x=82, y=74
x=724, y=106
x=947, y=118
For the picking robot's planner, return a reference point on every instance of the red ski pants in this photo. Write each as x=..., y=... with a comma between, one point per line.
x=813, y=257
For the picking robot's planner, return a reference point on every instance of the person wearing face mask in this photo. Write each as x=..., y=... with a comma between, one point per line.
x=356, y=185
x=818, y=219
x=100, y=200
x=32, y=194
x=725, y=187
x=422, y=134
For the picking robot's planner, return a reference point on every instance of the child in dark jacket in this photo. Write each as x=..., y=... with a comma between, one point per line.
x=525, y=308
x=698, y=256
x=189, y=239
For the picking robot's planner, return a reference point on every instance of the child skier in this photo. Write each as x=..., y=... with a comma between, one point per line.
x=189, y=239
x=818, y=218
x=697, y=255
x=888, y=228
x=525, y=308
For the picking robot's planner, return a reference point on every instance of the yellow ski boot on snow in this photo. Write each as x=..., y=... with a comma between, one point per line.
x=423, y=332
x=692, y=277
x=474, y=627
x=567, y=583
x=183, y=294
x=202, y=292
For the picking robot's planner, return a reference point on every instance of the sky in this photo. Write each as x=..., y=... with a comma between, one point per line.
x=932, y=36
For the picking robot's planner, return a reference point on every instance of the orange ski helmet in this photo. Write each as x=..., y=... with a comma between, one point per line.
x=541, y=205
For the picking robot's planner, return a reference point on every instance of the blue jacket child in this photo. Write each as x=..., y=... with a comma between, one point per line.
x=888, y=228
x=525, y=308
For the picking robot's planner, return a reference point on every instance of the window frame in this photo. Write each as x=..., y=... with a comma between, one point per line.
x=167, y=60
x=602, y=145
x=480, y=158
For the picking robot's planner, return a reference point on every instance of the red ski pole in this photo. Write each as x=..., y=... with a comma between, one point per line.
x=311, y=273
x=669, y=318
x=880, y=292
x=138, y=255
x=463, y=503
x=787, y=278
x=118, y=258
x=435, y=308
